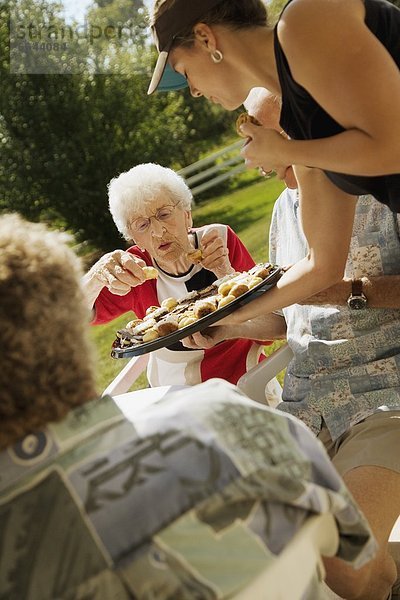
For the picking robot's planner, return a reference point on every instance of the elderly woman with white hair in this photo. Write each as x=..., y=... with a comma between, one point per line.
x=151, y=205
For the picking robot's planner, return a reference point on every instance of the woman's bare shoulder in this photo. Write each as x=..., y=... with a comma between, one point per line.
x=307, y=18
x=313, y=33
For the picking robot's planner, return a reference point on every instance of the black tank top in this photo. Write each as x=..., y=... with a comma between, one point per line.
x=303, y=118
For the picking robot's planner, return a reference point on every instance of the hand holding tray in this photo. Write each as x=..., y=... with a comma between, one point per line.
x=122, y=350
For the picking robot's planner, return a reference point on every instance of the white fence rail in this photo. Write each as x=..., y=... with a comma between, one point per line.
x=208, y=170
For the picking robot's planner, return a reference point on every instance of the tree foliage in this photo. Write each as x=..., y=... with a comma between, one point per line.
x=63, y=137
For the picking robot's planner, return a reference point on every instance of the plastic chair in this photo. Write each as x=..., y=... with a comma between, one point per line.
x=252, y=383
x=298, y=565
x=127, y=376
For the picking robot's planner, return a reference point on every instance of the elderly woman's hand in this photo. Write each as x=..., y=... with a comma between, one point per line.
x=266, y=150
x=215, y=254
x=119, y=271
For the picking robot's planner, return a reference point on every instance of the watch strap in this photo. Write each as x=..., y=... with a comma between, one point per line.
x=356, y=287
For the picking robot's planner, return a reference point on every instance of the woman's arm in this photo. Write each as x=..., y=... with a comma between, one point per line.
x=119, y=271
x=345, y=68
x=327, y=216
x=266, y=327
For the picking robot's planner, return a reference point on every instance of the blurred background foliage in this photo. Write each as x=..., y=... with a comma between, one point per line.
x=63, y=137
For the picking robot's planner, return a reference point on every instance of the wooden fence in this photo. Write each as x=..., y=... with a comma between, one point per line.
x=206, y=173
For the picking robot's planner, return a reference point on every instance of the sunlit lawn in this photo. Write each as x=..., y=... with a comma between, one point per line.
x=248, y=211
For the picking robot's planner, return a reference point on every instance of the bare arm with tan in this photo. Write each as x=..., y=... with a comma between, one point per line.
x=267, y=327
x=367, y=86
x=327, y=216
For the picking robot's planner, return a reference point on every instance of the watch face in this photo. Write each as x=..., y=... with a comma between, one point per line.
x=357, y=302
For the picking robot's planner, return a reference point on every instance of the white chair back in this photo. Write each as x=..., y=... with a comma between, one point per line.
x=253, y=382
x=298, y=564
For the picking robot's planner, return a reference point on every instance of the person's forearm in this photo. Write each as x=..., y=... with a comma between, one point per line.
x=301, y=281
x=91, y=288
x=349, y=152
x=381, y=292
x=266, y=327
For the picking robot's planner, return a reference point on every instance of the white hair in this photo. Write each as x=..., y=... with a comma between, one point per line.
x=264, y=106
x=131, y=191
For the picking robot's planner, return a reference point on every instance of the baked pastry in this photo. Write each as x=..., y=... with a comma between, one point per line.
x=185, y=315
x=150, y=335
x=159, y=313
x=254, y=281
x=238, y=289
x=167, y=325
x=169, y=303
x=186, y=321
x=203, y=308
x=150, y=272
x=132, y=324
x=262, y=270
x=226, y=300
x=245, y=118
x=143, y=326
x=177, y=314
x=195, y=255
x=125, y=338
x=225, y=287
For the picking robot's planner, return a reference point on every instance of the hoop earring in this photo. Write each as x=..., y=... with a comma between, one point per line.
x=217, y=56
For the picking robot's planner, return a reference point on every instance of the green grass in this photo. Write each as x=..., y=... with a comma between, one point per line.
x=248, y=211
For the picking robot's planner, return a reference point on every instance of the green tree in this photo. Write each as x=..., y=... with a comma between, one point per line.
x=63, y=137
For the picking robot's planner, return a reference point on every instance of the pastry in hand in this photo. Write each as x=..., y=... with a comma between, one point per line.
x=195, y=255
x=245, y=118
x=150, y=272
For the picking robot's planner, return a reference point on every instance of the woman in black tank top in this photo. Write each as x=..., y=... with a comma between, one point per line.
x=335, y=65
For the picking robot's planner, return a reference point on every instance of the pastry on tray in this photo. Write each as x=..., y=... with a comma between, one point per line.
x=176, y=314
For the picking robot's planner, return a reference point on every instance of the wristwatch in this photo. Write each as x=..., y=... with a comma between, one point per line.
x=357, y=299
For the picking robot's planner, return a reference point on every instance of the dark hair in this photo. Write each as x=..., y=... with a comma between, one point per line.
x=236, y=14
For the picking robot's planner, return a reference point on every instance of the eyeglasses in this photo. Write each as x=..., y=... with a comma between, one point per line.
x=164, y=214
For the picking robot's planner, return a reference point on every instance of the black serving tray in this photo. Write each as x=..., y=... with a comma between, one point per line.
x=171, y=338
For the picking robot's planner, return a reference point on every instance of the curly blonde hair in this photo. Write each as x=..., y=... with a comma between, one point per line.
x=45, y=356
